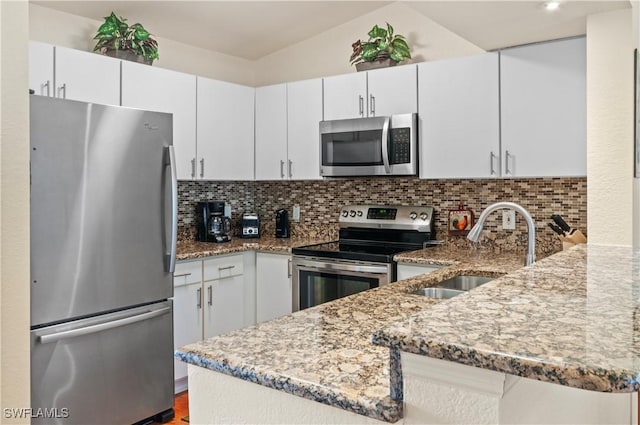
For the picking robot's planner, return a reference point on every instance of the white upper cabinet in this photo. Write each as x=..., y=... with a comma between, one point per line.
x=41, y=68
x=345, y=96
x=543, y=109
x=460, y=117
x=88, y=77
x=381, y=92
x=225, y=130
x=271, y=132
x=392, y=91
x=162, y=90
x=304, y=113
x=83, y=76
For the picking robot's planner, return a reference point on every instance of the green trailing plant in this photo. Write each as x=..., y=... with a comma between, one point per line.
x=116, y=34
x=382, y=44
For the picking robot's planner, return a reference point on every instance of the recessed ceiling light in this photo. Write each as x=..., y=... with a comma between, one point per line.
x=552, y=5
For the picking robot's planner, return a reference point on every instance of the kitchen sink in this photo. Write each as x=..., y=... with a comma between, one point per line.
x=449, y=288
x=438, y=293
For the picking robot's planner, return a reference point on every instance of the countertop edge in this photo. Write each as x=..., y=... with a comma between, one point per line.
x=385, y=409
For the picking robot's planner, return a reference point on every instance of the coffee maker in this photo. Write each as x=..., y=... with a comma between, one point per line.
x=213, y=225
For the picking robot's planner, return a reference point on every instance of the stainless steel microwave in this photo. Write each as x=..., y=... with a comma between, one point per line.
x=377, y=146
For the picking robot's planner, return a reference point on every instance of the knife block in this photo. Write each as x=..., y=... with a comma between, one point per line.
x=576, y=238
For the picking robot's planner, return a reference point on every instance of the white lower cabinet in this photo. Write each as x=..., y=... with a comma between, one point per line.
x=187, y=313
x=405, y=271
x=273, y=286
x=211, y=297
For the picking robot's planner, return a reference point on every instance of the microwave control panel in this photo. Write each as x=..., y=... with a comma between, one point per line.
x=400, y=145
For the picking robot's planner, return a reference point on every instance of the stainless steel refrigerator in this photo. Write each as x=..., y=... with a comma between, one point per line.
x=103, y=238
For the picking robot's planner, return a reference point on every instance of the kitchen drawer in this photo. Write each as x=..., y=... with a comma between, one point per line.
x=187, y=272
x=222, y=267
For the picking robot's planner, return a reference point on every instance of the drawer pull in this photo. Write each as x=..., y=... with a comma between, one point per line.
x=226, y=268
x=181, y=275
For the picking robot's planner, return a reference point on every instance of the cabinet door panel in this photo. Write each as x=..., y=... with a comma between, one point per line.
x=345, y=96
x=187, y=320
x=88, y=77
x=543, y=108
x=224, y=306
x=304, y=113
x=225, y=129
x=459, y=117
x=273, y=286
x=392, y=91
x=162, y=90
x=271, y=132
x=41, y=68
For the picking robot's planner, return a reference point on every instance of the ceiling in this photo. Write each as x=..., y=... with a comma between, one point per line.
x=253, y=29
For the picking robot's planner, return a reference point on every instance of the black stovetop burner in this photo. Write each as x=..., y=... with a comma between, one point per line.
x=353, y=251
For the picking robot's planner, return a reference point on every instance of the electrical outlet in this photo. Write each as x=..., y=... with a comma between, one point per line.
x=508, y=219
x=296, y=213
x=227, y=210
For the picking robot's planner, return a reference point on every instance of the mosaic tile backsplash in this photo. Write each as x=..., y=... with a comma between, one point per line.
x=320, y=202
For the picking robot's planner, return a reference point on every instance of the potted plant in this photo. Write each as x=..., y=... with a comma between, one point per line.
x=384, y=48
x=117, y=39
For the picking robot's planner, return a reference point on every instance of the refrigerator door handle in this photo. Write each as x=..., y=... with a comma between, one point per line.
x=55, y=337
x=170, y=257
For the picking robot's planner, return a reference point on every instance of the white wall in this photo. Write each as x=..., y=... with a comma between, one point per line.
x=328, y=53
x=610, y=128
x=14, y=208
x=64, y=29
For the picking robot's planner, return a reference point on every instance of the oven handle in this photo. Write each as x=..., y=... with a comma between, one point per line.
x=332, y=267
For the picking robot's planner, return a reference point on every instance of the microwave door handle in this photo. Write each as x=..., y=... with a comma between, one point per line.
x=385, y=145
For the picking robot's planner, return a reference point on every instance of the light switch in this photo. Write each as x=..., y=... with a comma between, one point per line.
x=296, y=213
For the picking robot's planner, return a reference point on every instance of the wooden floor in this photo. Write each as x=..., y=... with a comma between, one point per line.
x=181, y=407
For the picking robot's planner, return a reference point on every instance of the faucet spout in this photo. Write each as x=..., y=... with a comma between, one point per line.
x=474, y=234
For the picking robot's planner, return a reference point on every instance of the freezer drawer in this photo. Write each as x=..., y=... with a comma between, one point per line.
x=115, y=368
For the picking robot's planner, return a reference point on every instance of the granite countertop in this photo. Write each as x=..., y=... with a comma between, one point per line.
x=189, y=250
x=325, y=353
x=570, y=319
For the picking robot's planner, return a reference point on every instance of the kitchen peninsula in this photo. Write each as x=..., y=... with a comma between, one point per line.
x=568, y=319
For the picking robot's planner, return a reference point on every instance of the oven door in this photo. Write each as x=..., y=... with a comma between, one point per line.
x=319, y=280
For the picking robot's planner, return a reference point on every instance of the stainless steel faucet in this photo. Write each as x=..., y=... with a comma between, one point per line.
x=474, y=234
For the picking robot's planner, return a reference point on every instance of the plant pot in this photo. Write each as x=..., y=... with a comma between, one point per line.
x=128, y=55
x=367, y=66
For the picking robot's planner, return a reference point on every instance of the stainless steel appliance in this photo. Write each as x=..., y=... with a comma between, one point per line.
x=377, y=146
x=103, y=239
x=362, y=258
x=250, y=225
x=213, y=225
x=282, y=224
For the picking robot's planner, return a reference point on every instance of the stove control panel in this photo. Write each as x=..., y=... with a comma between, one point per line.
x=410, y=217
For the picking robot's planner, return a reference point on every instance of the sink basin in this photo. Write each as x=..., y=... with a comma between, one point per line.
x=463, y=282
x=449, y=288
x=438, y=293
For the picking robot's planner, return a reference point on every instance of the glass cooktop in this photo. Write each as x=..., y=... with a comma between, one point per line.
x=349, y=251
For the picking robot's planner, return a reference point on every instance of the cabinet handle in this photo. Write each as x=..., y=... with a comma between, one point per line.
x=202, y=168
x=361, y=105
x=181, y=275
x=210, y=294
x=63, y=89
x=372, y=104
x=506, y=163
x=193, y=168
x=492, y=157
x=290, y=168
x=199, y=297
x=226, y=268
x=289, y=268
x=48, y=86
x=281, y=169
